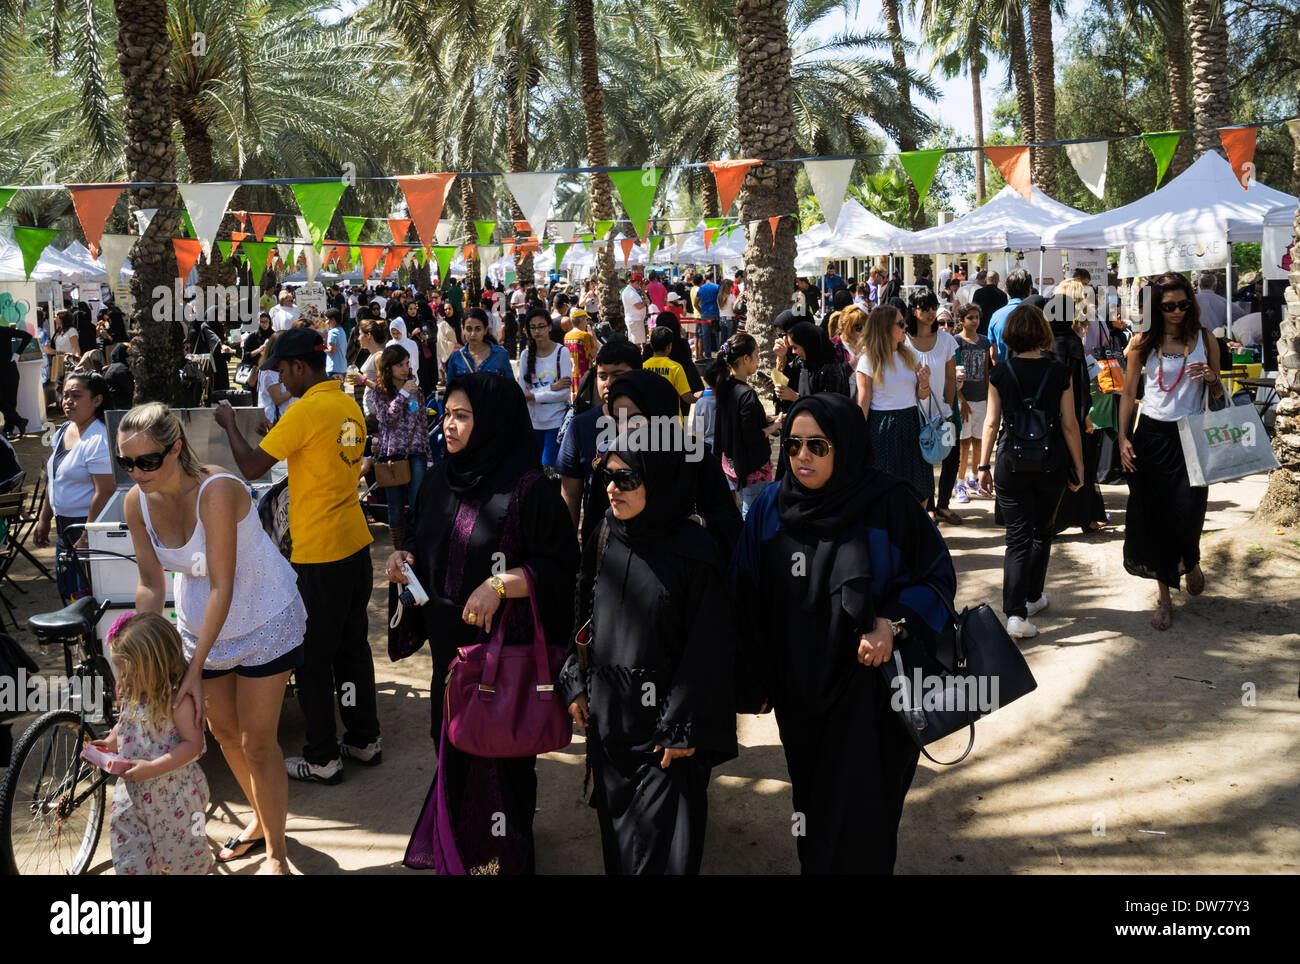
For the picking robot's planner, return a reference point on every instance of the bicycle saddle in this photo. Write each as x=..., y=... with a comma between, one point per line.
x=74, y=620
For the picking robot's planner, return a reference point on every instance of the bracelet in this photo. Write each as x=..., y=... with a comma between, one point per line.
x=498, y=586
x=983, y=468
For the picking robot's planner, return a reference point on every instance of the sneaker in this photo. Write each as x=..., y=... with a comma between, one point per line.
x=1018, y=628
x=972, y=486
x=369, y=755
x=300, y=769
x=959, y=494
x=1038, y=605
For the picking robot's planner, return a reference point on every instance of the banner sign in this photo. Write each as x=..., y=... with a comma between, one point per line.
x=1198, y=253
x=311, y=295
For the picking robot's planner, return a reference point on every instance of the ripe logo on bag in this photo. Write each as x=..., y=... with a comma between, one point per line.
x=1218, y=435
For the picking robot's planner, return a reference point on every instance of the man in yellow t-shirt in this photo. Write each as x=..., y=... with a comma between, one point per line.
x=582, y=346
x=322, y=436
x=661, y=341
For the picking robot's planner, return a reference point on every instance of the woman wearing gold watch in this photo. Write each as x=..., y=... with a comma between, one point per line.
x=482, y=514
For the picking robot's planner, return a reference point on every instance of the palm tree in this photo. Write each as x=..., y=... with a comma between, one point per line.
x=1212, y=103
x=602, y=189
x=958, y=33
x=1010, y=21
x=907, y=134
x=1044, y=70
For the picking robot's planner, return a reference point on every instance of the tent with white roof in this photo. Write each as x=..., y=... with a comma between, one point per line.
x=48, y=268
x=1007, y=221
x=858, y=233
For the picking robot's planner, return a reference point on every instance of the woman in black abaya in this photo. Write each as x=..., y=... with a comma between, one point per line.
x=828, y=558
x=823, y=369
x=487, y=499
x=655, y=697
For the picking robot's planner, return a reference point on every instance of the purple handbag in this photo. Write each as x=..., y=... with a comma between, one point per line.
x=500, y=700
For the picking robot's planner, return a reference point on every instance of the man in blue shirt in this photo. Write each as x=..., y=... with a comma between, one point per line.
x=1019, y=286
x=709, y=319
x=579, y=450
x=336, y=345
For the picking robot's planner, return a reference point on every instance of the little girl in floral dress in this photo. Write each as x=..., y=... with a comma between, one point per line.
x=156, y=825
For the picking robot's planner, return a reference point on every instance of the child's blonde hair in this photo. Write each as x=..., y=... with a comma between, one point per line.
x=147, y=653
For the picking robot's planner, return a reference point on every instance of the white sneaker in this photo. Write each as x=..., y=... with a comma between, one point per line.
x=1018, y=628
x=369, y=755
x=1037, y=606
x=959, y=494
x=300, y=769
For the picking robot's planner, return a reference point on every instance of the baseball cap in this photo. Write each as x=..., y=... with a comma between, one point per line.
x=637, y=277
x=578, y=313
x=294, y=344
x=674, y=296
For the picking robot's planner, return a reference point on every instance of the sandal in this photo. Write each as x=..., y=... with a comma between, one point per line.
x=234, y=843
x=948, y=516
x=1195, y=582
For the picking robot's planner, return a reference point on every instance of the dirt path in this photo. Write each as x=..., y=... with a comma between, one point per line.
x=1064, y=781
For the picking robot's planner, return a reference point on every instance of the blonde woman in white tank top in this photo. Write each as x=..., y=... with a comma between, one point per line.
x=241, y=618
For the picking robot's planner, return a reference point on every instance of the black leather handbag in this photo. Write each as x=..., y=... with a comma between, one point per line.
x=980, y=671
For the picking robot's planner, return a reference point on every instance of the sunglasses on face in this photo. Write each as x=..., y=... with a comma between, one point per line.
x=625, y=480
x=150, y=462
x=818, y=447
x=900, y=323
x=1168, y=306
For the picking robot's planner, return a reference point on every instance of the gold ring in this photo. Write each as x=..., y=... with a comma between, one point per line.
x=473, y=618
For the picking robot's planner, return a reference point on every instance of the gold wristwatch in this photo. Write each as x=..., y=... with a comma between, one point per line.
x=498, y=586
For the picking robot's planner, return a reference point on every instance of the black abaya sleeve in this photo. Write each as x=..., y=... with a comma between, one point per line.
x=699, y=709
x=573, y=681
x=717, y=506
x=921, y=580
x=549, y=547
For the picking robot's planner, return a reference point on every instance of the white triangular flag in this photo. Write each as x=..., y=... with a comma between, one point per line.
x=442, y=233
x=115, y=248
x=680, y=228
x=314, y=257
x=830, y=179
x=142, y=218
x=533, y=193
x=207, y=206
x=285, y=250
x=564, y=231
x=1089, y=160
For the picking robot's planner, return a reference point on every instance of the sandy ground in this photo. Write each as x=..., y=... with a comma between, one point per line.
x=1111, y=744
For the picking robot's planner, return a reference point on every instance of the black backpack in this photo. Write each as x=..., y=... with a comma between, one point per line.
x=1029, y=429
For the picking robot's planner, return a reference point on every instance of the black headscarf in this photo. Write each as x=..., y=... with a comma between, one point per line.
x=670, y=484
x=680, y=351
x=653, y=394
x=502, y=447
x=815, y=343
x=788, y=319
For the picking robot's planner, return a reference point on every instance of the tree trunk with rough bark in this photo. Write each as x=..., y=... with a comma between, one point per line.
x=906, y=135
x=764, y=93
x=143, y=54
x=602, y=189
x=197, y=141
x=1044, y=67
x=469, y=200
x=1211, y=99
x=1180, y=112
x=517, y=149
x=1020, y=70
x=977, y=110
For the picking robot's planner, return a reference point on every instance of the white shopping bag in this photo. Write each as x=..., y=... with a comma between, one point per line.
x=1225, y=445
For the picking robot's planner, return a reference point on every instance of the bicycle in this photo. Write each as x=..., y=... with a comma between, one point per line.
x=52, y=802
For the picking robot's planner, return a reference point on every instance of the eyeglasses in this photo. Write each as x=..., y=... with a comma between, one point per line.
x=1168, y=306
x=150, y=462
x=539, y=327
x=625, y=480
x=818, y=447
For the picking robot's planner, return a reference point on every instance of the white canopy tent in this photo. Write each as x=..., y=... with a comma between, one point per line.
x=858, y=233
x=49, y=268
x=1007, y=221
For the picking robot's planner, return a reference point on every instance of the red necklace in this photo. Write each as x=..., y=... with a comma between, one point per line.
x=1160, y=376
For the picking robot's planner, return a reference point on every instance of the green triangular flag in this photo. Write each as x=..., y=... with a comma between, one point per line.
x=33, y=241
x=484, y=230
x=654, y=244
x=256, y=252
x=560, y=251
x=636, y=189
x=225, y=247
x=353, y=225
x=586, y=238
x=603, y=229
x=317, y=201
x=444, y=253
x=1162, y=146
x=189, y=225
x=714, y=223
x=920, y=167
x=5, y=194
x=420, y=255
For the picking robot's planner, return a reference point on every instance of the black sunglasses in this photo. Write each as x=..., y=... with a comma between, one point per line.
x=817, y=446
x=900, y=323
x=1168, y=306
x=150, y=462
x=625, y=480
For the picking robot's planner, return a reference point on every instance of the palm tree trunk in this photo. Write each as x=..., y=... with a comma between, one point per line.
x=906, y=135
x=469, y=197
x=977, y=108
x=709, y=195
x=143, y=54
x=1180, y=114
x=517, y=149
x=197, y=141
x=1040, y=39
x=1020, y=69
x=1210, y=97
x=1281, y=502
x=602, y=189
x=766, y=129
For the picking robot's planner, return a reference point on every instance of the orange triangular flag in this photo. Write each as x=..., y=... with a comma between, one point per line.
x=243, y=218
x=235, y=238
x=774, y=221
x=93, y=204
x=1239, y=142
x=1013, y=164
x=469, y=252
x=260, y=223
x=529, y=246
x=522, y=228
x=708, y=237
x=399, y=227
x=187, y=255
x=425, y=195
x=370, y=255
x=729, y=176
x=627, y=244
x=394, y=258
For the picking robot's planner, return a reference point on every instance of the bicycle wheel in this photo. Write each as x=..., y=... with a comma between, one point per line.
x=52, y=801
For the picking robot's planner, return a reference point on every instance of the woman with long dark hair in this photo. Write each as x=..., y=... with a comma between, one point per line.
x=656, y=697
x=546, y=376
x=484, y=513
x=743, y=430
x=836, y=563
x=1176, y=361
x=480, y=353
x=823, y=367
x=403, y=431
x=1070, y=318
x=936, y=350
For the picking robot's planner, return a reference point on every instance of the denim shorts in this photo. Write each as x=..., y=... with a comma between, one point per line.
x=290, y=660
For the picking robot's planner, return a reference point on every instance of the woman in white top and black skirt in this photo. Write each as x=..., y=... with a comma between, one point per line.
x=1176, y=363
